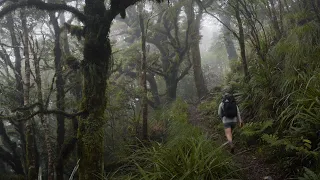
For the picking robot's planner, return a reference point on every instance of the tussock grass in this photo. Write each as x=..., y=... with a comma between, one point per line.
x=186, y=154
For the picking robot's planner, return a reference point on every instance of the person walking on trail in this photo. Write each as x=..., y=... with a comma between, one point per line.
x=230, y=115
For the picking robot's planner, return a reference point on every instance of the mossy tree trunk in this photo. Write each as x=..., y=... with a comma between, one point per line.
x=19, y=87
x=45, y=122
x=75, y=77
x=143, y=74
x=274, y=19
x=18, y=60
x=231, y=50
x=154, y=90
x=97, y=52
x=241, y=40
x=171, y=83
x=31, y=149
x=172, y=56
x=172, y=76
x=12, y=159
x=8, y=148
x=64, y=37
x=195, y=48
x=60, y=93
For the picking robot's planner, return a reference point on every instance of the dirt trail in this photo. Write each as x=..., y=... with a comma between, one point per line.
x=253, y=167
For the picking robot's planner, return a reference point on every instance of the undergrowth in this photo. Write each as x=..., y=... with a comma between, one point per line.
x=309, y=175
x=185, y=154
x=280, y=103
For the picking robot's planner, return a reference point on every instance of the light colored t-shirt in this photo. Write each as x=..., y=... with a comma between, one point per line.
x=229, y=120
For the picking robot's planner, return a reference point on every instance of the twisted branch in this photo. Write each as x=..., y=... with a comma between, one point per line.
x=43, y=6
x=41, y=111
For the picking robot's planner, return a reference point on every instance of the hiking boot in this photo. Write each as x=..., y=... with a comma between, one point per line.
x=232, y=150
x=231, y=147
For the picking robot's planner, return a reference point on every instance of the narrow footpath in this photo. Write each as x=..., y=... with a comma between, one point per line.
x=253, y=167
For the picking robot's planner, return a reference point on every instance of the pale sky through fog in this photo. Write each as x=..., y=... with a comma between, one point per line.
x=210, y=29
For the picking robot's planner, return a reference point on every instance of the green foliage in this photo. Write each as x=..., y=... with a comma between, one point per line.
x=209, y=108
x=7, y=94
x=178, y=111
x=300, y=146
x=309, y=175
x=280, y=103
x=255, y=128
x=186, y=153
x=189, y=158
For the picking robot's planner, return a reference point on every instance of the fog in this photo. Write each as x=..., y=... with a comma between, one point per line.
x=210, y=30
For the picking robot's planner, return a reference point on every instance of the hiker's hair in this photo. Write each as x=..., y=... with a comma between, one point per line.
x=227, y=90
x=226, y=95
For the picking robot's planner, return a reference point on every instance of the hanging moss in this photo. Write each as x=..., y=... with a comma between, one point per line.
x=72, y=62
x=77, y=31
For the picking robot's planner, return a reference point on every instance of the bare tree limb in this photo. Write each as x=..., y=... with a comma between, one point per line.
x=50, y=92
x=26, y=108
x=54, y=111
x=9, y=46
x=157, y=71
x=214, y=16
x=45, y=112
x=6, y=57
x=4, y=1
x=43, y=6
x=157, y=43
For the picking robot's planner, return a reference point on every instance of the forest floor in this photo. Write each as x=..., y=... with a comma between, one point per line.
x=253, y=167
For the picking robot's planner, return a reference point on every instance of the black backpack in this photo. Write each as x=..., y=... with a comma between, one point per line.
x=230, y=107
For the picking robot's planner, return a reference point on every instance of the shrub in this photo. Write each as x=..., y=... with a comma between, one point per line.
x=281, y=99
x=186, y=153
x=309, y=175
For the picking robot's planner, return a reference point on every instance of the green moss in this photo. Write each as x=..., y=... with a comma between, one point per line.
x=90, y=133
x=91, y=149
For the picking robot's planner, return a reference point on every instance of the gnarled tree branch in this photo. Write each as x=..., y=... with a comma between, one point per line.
x=46, y=112
x=54, y=111
x=26, y=108
x=43, y=6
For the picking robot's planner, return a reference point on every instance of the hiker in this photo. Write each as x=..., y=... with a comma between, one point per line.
x=230, y=115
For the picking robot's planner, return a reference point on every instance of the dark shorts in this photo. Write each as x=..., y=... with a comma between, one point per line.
x=231, y=125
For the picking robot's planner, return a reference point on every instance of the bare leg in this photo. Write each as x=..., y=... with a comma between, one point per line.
x=228, y=132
